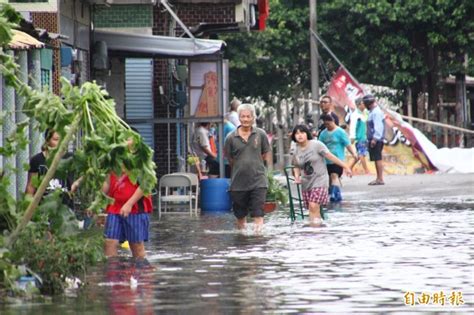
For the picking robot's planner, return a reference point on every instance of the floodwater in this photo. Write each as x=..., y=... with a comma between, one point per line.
x=372, y=256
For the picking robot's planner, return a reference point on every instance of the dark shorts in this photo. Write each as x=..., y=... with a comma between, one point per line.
x=133, y=228
x=333, y=168
x=213, y=166
x=375, y=153
x=361, y=148
x=251, y=201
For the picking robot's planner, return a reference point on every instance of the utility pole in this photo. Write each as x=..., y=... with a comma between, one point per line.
x=314, y=57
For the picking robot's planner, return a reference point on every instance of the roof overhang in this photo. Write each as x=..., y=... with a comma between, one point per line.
x=151, y=45
x=22, y=40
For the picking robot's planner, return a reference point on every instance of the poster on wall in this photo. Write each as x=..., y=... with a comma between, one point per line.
x=204, y=88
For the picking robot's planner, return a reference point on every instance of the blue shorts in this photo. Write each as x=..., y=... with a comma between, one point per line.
x=133, y=228
x=362, y=148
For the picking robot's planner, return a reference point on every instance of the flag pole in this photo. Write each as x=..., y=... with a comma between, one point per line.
x=335, y=57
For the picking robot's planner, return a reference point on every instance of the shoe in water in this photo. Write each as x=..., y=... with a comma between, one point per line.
x=337, y=194
x=331, y=193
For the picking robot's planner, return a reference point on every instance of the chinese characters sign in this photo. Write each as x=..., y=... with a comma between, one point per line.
x=437, y=298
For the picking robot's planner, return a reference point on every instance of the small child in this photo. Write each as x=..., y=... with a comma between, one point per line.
x=128, y=217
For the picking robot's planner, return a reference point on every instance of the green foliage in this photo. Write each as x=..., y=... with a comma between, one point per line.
x=274, y=61
x=389, y=42
x=54, y=257
x=276, y=191
x=59, y=249
x=382, y=42
x=9, y=270
x=9, y=18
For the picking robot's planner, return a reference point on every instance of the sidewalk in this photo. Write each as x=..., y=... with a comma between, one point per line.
x=423, y=186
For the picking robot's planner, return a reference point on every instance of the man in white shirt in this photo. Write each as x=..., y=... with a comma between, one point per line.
x=358, y=133
x=232, y=116
x=375, y=136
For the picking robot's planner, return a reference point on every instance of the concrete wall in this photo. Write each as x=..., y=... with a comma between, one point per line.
x=115, y=84
x=74, y=22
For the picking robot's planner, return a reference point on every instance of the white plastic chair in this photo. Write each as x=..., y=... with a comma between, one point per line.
x=178, y=189
x=195, y=184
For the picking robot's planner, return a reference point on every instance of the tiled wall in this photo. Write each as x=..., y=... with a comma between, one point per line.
x=193, y=14
x=124, y=16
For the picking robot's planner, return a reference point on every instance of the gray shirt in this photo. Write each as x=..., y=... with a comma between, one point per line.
x=248, y=170
x=200, y=140
x=310, y=160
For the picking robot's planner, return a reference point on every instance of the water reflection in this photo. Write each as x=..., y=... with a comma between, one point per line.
x=365, y=259
x=129, y=286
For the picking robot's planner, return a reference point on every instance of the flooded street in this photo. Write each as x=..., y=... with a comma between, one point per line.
x=368, y=256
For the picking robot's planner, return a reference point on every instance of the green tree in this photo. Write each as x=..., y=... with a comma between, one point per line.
x=402, y=44
x=274, y=61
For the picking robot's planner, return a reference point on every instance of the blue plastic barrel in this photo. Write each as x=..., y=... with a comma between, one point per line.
x=215, y=195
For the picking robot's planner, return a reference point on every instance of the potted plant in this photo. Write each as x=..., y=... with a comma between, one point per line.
x=276, y=194
x=193, y=161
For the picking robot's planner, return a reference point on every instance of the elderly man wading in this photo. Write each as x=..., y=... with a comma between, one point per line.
x=247, y=149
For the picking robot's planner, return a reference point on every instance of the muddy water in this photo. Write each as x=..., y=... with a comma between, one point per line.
x=365, y=259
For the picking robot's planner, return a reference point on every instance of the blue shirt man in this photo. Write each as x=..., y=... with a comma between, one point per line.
x=375, y=136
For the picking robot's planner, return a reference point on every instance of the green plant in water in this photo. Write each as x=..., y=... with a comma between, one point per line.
x=276, y=191
x=88, y=110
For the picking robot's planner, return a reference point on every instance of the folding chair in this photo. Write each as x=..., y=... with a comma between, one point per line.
x=177, y=189
x=195, y=185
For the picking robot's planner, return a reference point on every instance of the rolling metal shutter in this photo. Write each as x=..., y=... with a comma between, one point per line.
x=139, y=95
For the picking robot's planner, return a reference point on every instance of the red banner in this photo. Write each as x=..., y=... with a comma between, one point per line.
x=402, y=152
x=263, y=13
x=344, y=90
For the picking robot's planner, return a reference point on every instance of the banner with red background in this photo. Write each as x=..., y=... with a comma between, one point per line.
x=402, y=154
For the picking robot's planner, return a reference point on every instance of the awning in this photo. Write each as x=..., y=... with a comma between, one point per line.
x=21, y=40
x=158, y=45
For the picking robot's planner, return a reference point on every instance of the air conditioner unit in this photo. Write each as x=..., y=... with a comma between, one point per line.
x=245, y=14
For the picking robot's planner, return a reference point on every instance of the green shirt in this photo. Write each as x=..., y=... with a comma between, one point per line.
x=248, y=169
x=361, y=131
x=336, y=141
